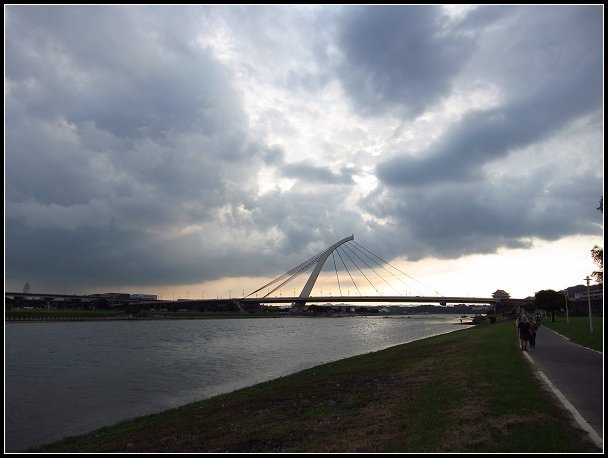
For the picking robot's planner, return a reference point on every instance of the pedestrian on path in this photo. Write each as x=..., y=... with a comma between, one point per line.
x=523, y=327
x=533, y=329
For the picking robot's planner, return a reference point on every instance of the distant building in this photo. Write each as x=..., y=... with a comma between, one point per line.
x=579, y=292
x=579, y=302
x=143, y=297
x=112, y=296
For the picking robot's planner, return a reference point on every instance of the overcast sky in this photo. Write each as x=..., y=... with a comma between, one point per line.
x=194, y=148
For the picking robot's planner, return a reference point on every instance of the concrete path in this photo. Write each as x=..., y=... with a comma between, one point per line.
x=576, y=375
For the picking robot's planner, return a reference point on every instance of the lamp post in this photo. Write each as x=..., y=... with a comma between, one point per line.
x=566, y=297
x=589, y=304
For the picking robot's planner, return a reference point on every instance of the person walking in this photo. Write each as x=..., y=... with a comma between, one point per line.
x=523, y=326
x=533, y=329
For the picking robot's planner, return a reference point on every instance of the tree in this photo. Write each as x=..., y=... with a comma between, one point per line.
x=597, y=253
x=500, y=294
x=549, y=301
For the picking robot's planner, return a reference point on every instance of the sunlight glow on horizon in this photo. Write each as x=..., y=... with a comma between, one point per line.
x=520, y=272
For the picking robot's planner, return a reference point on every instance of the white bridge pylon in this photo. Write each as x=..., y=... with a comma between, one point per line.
x=318, y=260
x=315, y=273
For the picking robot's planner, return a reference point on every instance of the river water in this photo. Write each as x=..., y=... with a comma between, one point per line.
x=68, y=378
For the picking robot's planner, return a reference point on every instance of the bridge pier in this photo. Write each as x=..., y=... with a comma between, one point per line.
x=297, y=308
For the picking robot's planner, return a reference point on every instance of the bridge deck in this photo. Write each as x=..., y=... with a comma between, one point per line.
x=393, y=299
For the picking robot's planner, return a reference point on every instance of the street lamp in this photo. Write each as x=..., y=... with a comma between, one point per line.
x=566, y=297
x=589, y=304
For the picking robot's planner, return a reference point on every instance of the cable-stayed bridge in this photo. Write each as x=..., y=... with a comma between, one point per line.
x=351, y=253
x=353, y=258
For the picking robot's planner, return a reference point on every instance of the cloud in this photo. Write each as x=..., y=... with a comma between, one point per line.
x=163, y=145
x=119, y=134
x=571, y=87
x=524, y=168
x=101, y=65
x=452, y=220
x=486, y=135
x=399, y=58
x=137, y=166
x=312, y=173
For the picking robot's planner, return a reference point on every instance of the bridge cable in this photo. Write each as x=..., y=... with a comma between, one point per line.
x=351, y=277
x=392, y=273
x=398, y=269
x=365, y=276
x=380, y=265
x=294, y=276
x=351, y=260
x=377, y=263
x=362, y=273
x=295, y=271
x=337, y=278
x=281, y=277
x=373, y=270
x=290, y=273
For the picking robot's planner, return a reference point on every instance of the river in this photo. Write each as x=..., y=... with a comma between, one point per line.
x=68, y=378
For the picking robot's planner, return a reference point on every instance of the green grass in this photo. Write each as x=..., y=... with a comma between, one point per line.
x=468, y=391
x=579, y=331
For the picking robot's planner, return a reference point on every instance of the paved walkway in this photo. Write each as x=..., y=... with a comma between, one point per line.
x=576, y=376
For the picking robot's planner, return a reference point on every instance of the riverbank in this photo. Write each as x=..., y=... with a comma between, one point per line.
x=465, y=391
x=25, y=316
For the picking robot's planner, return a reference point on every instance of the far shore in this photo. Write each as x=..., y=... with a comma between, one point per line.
x=75, y=315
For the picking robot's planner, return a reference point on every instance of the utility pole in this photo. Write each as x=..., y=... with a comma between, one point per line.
x=589, y=304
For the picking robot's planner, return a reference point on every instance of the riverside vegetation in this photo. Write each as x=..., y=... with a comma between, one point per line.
x=466, y=391
x=576, y=328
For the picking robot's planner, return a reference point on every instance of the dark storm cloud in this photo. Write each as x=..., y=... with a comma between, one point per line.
x=309, y=221
x=133, y=156
x=398, y=58
x=442, y=201
x=100, y=65
x=118, y=132
x=571, y=87
x=449, y=221
x=129, y=160
x=484, y=136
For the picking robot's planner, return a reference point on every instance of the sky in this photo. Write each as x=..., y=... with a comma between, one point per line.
x=201, y=151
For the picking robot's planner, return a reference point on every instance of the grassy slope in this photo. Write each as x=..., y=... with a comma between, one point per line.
x=467, y=391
